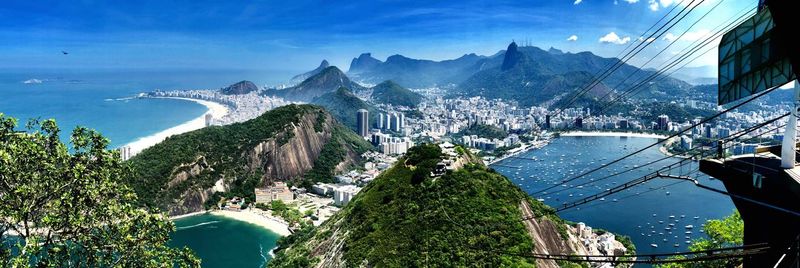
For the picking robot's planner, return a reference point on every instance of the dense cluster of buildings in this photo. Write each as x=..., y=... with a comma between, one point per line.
x=243, y=107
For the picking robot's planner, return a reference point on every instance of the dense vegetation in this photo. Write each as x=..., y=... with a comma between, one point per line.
x=469, y=217
x=70, y=208
x=343, y=105
x=722, y=233
x=390, y=92
x=222, y=149
x=483, y=131
x=333, y=152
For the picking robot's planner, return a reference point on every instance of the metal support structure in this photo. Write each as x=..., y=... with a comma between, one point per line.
x=789, y=136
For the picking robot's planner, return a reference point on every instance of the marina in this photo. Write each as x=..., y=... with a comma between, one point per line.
x=659, y=205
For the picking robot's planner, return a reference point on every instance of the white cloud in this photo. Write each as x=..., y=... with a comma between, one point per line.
x=649, y=40
x=572, y=38
x=613, y=38
x=577, y=2
x=653, y=5
x=670, y=37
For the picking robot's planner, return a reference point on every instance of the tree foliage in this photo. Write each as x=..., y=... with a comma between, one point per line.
x=63, y=207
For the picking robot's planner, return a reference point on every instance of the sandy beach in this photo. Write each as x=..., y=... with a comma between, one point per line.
x=254, y=218
x=216, y=110
x=611, y=134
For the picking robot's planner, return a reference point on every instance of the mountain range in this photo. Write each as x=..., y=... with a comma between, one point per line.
x=527, y=74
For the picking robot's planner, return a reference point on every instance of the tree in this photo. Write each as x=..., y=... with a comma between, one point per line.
x=64, y=207
x=726, y=232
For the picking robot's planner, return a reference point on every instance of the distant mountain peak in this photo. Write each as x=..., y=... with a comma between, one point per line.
x=302, y=77
x=512, y=56
x=329, y=79
x=241, y=87
x=556, y=51
x=364, y=62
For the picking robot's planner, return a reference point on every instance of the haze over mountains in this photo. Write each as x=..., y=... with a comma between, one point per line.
x=527, y=74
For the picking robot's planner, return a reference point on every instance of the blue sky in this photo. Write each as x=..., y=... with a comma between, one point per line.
x=296, y=35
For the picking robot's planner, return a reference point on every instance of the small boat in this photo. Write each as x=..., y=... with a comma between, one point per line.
x=688, y=242
x=677, y=245
x=671, y=217
x=689, y=226
x=688, y=232
x=696, y=217
x=667, y=192
x=654, y=245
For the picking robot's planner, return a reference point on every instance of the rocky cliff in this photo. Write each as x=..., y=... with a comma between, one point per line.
x=301, y=144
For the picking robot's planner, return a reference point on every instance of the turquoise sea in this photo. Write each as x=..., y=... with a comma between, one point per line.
x=99, y=99
x=223, y=242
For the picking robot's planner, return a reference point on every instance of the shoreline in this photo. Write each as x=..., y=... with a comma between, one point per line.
x=216, y=110
x=251, y=217
x=611, y=134
x=176, y=217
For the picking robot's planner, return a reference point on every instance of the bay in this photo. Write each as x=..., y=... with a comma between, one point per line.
x=224, y=242
x=643, y=212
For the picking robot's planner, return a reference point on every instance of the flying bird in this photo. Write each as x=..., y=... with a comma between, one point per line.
x=64, y=52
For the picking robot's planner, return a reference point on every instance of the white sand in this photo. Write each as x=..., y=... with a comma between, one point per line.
x=217, y=111
x=611, y=134
x=252, y=217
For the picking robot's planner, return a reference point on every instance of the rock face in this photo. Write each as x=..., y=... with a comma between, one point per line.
x=242, y=87
x=280, y=162
x=511, y=57
x=180, y=174
x=364, y=62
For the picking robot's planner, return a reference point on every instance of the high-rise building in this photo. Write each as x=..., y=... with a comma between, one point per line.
x=362, y=122
x=578, y=122
x=547, y=121
x=401, y=121
x=380, y=123
x=663, y=122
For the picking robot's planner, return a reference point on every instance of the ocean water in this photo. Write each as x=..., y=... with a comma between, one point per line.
x=223, y=242
x=99, y=99
x=633, y=212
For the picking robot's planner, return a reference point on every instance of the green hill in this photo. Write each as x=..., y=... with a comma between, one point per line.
x=343, y=105
x=297, y=143
x=470, y=217
x=325, y=81
x=390, y=92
